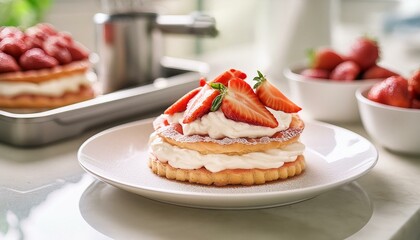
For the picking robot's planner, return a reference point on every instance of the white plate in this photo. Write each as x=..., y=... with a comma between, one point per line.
x=334, y=156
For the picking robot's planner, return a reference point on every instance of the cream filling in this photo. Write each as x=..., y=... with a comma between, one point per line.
x=190, y=159
x=216, y=125
x=53, y=87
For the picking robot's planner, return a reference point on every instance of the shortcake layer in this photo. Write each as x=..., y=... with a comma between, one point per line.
x=38, y=101
x=214, y=162
x=230, y=176
x=47, y=88
x=52, y=88
x=204, y=144
x=47, y=74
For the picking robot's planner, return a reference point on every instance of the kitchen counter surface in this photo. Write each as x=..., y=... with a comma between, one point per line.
x=45, y=194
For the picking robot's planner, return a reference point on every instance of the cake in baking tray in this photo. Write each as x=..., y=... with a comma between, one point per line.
x=41, y=67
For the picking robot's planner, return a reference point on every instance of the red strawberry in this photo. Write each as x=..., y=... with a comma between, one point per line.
x=414, y=84
x=239, y=103
x=345, y=71
x=41, y=31
x=181, y=104
x=376, y=72
x=200, y=104
x=324, y=58
x=55, y=47
x=415, y=103
x=13, y=46
x=77, y=51
x=36, y=58
x=271, y=97
x=315, y=73
x=226, y=76
x=8, y=63
x=391, y=91
x=203, y=81
x=365, y=52
x=12, y=32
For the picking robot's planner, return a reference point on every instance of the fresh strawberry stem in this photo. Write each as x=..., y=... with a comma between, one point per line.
x=260, y=79
x=311, y=55
x=217, y=102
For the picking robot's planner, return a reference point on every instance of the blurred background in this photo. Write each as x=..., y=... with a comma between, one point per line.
x=277, y=31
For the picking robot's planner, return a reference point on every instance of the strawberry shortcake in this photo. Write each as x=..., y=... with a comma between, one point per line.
x=42, y=68
x=224, y=132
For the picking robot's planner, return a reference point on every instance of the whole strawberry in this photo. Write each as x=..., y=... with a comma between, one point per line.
x=36, y=58
x=324, y=58
x=414, y=84
x=8, y=63
x=364, y=52
x=392, y=91
x=315, y=73
x=377, y=72
x=345, y=71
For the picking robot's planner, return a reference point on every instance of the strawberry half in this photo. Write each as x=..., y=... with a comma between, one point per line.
x=181, y=104
x=271, y=97
x=200, y=104
x=228, y=75
x=238, y=102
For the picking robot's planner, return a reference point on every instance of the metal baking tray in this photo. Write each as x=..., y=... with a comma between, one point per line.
x=27, y=129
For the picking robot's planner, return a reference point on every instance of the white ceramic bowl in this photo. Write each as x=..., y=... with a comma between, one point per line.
x=395, y=128
x=324, y=99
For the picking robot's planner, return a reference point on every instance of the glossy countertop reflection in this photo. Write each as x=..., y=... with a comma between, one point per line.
x=46, y=195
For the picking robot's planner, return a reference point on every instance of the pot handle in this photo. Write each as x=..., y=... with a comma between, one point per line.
x=196, y=24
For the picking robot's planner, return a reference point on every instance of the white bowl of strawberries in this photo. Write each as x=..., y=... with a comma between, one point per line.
x=390, y=113
x=325, y=85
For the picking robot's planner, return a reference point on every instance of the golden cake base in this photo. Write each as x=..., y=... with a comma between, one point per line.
x=234, y=177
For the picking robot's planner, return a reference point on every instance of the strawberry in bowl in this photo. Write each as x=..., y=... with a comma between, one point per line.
x=390, y=112
x=225, y=132
x=326, y=84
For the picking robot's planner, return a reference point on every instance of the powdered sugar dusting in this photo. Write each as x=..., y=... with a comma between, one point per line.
x=282, y=136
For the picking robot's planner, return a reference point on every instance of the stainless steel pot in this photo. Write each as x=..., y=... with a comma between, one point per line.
x=130, y=44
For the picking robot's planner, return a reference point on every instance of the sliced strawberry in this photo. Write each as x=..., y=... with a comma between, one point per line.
x=228, y=75
x=271, y=97
x=315, y=73
x=202, y=81
x=376, y=72
x=241, y=104
x=200, y=104
x=181, y=104
x=55, y=47
x=324, y=58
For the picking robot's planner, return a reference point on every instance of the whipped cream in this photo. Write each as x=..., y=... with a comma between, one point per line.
x=216, y=125
x=190, y=159
x=53, y=87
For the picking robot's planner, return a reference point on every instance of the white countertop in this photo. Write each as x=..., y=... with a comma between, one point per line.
x=44, y=194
